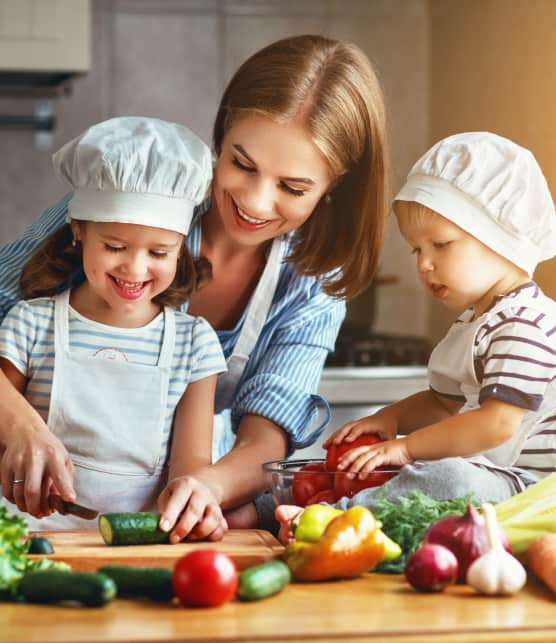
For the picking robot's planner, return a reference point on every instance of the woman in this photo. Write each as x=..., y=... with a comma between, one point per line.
x=293, y=227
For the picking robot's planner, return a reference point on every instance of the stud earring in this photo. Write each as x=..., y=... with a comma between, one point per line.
x=74, y=243
x=327, y=199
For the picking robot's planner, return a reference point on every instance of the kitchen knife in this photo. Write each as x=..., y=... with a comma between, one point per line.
x=64, y=507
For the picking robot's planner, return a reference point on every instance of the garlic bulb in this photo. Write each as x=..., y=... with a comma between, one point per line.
x=496, y=571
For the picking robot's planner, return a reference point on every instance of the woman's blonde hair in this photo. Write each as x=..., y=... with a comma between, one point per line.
x=333, y=86
x=57, y=264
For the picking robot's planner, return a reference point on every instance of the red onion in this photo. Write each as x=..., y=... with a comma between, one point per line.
x=465, y=536
x=431, y=568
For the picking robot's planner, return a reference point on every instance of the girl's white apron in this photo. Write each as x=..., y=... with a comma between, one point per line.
x=110, y=416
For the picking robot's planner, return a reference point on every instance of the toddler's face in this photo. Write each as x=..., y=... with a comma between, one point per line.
x=454, y=266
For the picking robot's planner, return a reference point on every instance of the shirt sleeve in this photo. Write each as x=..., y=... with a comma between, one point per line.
x=207, y=357
x=15, y=253
x=18, y=333
x=283, y=386
x=516, y=359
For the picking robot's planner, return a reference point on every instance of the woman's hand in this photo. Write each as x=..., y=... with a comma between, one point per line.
x=189, y=508
x=366, y=458
x=36, y=457
x=381, y=424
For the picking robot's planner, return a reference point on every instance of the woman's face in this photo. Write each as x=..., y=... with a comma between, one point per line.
x=268, y=179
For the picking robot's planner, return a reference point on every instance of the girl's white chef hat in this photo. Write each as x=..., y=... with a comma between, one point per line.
x=136, y=170
x=493, y=189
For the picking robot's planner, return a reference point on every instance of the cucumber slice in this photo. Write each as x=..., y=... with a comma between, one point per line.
x=263, y=580
x=40, y=545
x=147, y=582
x=140, y=528
x=87, y=588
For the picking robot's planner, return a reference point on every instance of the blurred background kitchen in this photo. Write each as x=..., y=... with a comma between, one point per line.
x=446, y=66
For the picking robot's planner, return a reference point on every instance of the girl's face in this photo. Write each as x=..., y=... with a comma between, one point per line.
x=126, y=265
x=454, y=266
x=268, y=179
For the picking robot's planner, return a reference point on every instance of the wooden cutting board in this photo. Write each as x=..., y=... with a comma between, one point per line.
x=86, y=551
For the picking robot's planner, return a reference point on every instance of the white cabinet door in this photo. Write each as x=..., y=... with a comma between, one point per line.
x=44, y=35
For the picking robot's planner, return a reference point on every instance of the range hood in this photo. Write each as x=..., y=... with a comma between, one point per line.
x=36, y=84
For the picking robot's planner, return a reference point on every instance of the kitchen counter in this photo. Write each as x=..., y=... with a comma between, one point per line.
x=371, y=385
x=374, y=607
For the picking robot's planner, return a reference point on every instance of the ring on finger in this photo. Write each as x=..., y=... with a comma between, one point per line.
x=18, y=481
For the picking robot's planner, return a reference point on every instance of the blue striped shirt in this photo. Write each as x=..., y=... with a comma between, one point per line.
x=281, y=377
x=27, y=341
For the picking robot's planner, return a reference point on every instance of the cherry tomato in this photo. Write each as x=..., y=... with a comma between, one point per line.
x=205, y=578
x=310, y=479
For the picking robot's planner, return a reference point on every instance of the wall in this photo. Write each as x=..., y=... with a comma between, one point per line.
x=492, y=68
x=172, y=59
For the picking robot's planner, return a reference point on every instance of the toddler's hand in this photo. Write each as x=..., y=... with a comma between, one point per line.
x=38, y=459
x=379, y=424
x=366, y=458
x=285, y=515
x=189, y=508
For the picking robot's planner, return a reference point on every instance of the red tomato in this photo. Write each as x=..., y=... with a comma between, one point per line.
x=205, y=578
x=326, y=495
x=310, y=479
x=336, y=451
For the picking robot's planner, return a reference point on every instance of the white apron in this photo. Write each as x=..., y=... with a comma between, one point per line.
x=453, y=358
x=109, y=415
x=255, y=318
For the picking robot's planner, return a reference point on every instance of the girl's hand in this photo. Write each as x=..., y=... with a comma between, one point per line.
x=38, y=458
x=379, y=424
x=189, y=508
x=366, y=458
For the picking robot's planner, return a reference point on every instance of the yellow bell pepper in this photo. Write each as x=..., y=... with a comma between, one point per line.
x=351, y=544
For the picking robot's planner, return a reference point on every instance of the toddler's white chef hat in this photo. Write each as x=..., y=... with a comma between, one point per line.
x=136, y=170
x=493, y=189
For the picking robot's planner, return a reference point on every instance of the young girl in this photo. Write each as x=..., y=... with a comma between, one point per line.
x=477, y=213
x=123, y=383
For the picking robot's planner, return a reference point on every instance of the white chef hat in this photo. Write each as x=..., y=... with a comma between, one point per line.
x=493, y=189
x=136, y=170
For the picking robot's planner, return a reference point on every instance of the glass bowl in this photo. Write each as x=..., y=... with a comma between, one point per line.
x=304, y=482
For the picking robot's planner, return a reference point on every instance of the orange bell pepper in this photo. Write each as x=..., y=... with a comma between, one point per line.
x=351, y=544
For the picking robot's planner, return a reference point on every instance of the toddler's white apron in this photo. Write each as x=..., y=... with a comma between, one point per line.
x=255, y=318
x=453, y=358
x=109, y=415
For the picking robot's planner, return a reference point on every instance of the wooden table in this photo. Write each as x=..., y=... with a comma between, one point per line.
x=371, y=608
x=375, y=607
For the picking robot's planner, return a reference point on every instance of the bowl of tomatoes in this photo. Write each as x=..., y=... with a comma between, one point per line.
x=308, y=482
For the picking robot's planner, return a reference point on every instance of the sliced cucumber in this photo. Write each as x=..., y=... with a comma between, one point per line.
x=148, y=582
x=139, y=528
x=40, y=545
x=263, y=580
x=87, y=588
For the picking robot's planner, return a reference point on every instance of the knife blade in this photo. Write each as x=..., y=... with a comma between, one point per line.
x=64, y=507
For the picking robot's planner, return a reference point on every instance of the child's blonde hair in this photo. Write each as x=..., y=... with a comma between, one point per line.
x=417, y=212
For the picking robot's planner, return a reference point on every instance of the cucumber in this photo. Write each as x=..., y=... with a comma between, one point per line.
x=147, y=582
x=88, y=588
x=263, y=580
x=139, y=528
x=39, y=545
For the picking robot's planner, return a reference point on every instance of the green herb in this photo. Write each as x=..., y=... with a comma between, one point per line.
x=14, y=562
x=407, y=520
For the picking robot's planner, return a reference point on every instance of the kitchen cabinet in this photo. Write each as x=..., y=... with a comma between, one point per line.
x=44, y=36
